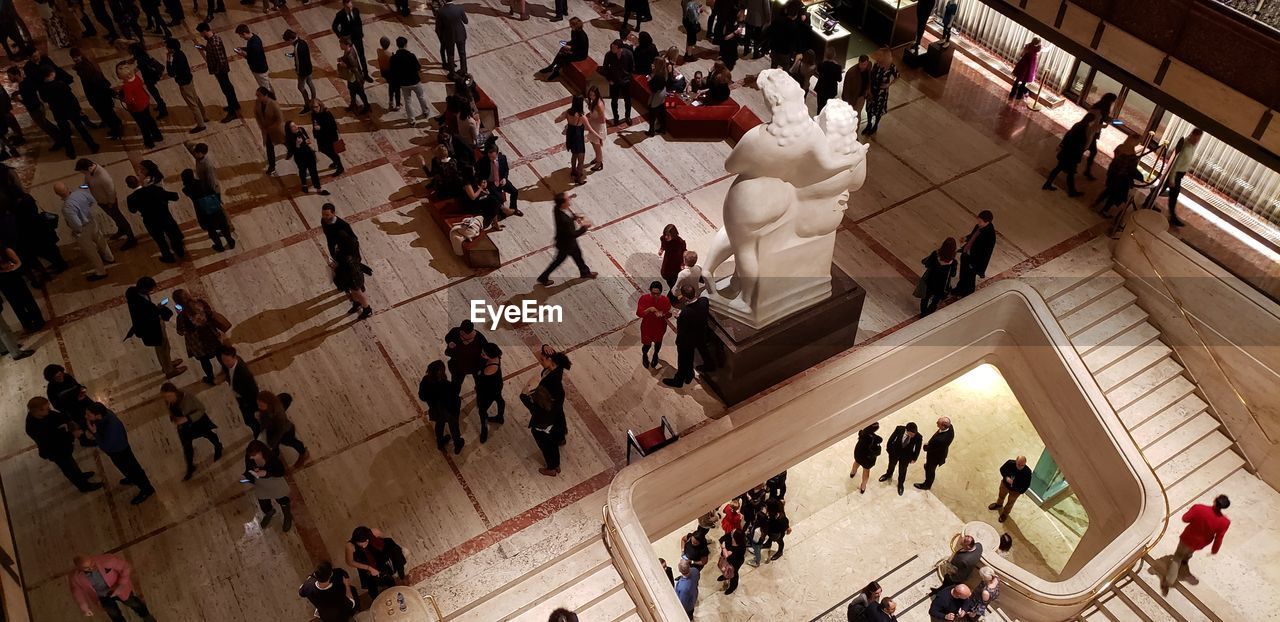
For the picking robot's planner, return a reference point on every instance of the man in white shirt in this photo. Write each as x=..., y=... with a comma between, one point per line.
x=86, y=221
x=103, y=188
x=690, y=275
x=1186, y=155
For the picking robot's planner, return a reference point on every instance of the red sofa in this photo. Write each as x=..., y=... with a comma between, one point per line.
x=684, y=120
x=478, y=253
x=741, y=122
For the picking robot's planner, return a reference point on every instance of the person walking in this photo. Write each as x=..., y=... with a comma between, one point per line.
x=568, y=228
x=215, y=57
x=177, y=65
x=489, y=387
x=243, y=385
x=86, y=221
x=1071, y=151
x=975, y=253
x=406, y=75
x=279, y=430
x=202, y=329
x=1105, y=110
x=903, y=449
x=328, y=590
x=443, y=405
x=348, y=24
x=1121, y=174
x=255, y=54
x=148, y=320
x=208, y=208
x=1206, y=524
x=151, y=201
x=691, y=334
x=1024, y=71
x=857, y=85
x=54, y=435
x=687, y=586
x=271, y=124
x=301, y=54
x=544, y=397
x=936, y=450
x=935, y=283
x=297, y=145
x=103, y=189
x=340, y=239
x=671, y=248
x=453, y=25
x=733, y=553
x=107, y=580
x=98, y=92
x=192, y=421
x=325, y=129
x=1185, y=151
x=14, y=290
x=619, y=64
x=377, y=559
x=349, y=71
x=865, y=453
x=264, y=470
x=653, y=309
x=66, y=111
x=882, y=75
x=113, y=440
x=1015, y=479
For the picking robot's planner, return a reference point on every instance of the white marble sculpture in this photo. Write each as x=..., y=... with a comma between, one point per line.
x=794, y=176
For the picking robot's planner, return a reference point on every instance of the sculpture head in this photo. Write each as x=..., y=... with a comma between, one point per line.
x=786, y=103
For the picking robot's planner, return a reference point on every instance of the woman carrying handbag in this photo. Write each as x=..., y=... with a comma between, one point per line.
x=544, y=397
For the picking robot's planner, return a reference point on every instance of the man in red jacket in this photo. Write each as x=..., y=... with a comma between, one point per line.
x=1205, y=525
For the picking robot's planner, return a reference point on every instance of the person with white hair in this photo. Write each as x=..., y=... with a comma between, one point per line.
x=987, y=592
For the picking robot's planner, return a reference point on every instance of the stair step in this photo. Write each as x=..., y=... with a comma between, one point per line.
x=528, y=590
x=1181, y=438
x=1107, y=329
x=1119, y=610
x=1130, y=366
x=1170, y=418
x=1097, y=311
x=1175, y=599
x=583, y=594
x=1200, y=482
x=1185, y=463
x=1124, y=343
x=615, y=605
x=1086, y=292
x=1143, y=601
x=1094, y=614
x=1140, y=385
x=1151, y=404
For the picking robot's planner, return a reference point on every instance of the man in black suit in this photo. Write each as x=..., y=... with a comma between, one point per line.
x=148, y=324
x=691, y=334
x=54, y=435
x=339, y=237
x=302, y=67
x=903, y=448
x=975, y=254
x=453, y=33
x=347, y=24
x=568, y=229
x=618, y=66
x=1015, y=479
x=935, y=451
x=243, y=385
x=494, y=169
x=152, y=200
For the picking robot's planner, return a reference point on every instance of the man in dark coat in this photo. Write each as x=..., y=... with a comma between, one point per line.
x=65, y=107
x=243, y=385
x=493, y=167
x=975, y=254
x=691, y=334
x=339, y=237
x=618, y=66
x=1015, y=479
x=903, y=448
x=935, y=451
x=98, y=92
x=453, y=30
x=148, y=324
x=568, y=229
x=151, y=201
x=54, y=435
x=1071, y=150
x=347, y=23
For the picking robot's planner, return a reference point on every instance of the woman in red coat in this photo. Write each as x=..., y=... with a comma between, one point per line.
x=653, y=311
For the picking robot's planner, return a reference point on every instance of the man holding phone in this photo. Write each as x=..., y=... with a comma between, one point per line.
x=256, y=55
x=215, y=56
x=148, y=324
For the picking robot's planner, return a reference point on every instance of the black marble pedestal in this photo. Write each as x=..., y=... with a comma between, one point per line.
x=745, y=361
x=937, y=61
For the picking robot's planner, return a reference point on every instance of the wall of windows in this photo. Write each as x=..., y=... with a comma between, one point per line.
x=1005, y=38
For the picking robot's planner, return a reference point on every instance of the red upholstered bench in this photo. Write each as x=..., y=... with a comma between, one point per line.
x=640, y=89
x=741, y=122
x=478, y=253
x=579, y=73
x=684, y=120
x=487, y=109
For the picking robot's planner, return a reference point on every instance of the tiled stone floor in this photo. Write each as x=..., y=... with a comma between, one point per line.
x=948, y=149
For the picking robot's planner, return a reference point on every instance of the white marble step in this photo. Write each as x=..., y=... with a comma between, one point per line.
x=531, y=588
x=1138, y=597
x=1181, y=438
x=1119, y=610
x=1200, y=482
x=1154, y=402
x=1169, y=419
x=1186, y=610
x=582, y=594
x=1148, y=380
x=615, y=605
x=1097, y=310
x=1131, y=365
x=1092, y=289
x=1124, y=343
x=1104, y=331
x=1185, y=463
x=918, y=589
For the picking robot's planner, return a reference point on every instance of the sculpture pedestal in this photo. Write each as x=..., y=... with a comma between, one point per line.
x=747, y=361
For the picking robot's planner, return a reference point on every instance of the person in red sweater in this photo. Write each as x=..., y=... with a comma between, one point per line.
x=1205, y=525
x=654, y=310
x=133, y=92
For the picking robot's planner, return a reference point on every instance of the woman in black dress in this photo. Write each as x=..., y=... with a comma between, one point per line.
x=489, y=387
x=297, y=144
x=544, y=396
x=865, y=453
x=348, y=277
x=733, y=553
x=443, y=404
x=325, y=129
x=377, y=559
x=483, y=202
x=575, y=131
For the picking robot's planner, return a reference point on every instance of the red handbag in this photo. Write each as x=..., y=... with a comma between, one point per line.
x=339, y=146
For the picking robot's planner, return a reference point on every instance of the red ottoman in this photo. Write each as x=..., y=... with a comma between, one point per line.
x=579, y=73
x=684, y=120
x=742, y=121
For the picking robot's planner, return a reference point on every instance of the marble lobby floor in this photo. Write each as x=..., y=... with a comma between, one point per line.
x=471, y=522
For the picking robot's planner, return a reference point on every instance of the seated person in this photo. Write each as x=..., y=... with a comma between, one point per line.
x=572, y=51
x=469, y=125
x=698, y=83
x=676, y=81
x=717, y=85
x=446, y=176
x=482, y=202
